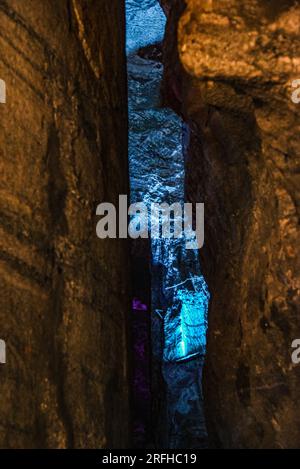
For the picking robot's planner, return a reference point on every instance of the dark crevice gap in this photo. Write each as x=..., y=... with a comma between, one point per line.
x=170, y=296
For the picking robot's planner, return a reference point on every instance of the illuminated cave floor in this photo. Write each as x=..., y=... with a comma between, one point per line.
x=179, y=296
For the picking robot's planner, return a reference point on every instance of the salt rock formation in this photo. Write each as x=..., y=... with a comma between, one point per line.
x=229, y=68
x=64, y=293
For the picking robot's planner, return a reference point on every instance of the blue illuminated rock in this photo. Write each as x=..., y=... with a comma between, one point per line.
x=179, y=293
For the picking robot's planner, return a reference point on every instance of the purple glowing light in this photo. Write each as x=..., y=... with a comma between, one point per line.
x=137, y=305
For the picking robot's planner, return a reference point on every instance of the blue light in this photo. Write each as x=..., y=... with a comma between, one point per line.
x=185, y=322
x=156, y=163
x=145, y=23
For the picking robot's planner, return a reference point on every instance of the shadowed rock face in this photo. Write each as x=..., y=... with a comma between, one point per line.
x=229, y=66
x=64, y=294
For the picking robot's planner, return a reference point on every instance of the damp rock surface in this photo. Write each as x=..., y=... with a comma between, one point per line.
x=229, y=66
x=64, y=293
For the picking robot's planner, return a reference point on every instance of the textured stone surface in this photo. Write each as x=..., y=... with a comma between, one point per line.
x=228, y=71
x=179, y=294
x=64, y=294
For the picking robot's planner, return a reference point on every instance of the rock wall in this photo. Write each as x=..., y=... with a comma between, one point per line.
x=64, y=293
x=229, y=66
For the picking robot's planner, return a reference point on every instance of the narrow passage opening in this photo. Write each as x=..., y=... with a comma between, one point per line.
x=170, y=296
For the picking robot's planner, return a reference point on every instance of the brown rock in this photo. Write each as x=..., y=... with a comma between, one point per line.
x=229, y=66
x=64, y=293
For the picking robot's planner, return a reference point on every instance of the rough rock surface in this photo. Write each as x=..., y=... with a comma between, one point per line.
x=179, y=295
x=156, y=174
x=64, y=293
x=229, y=66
